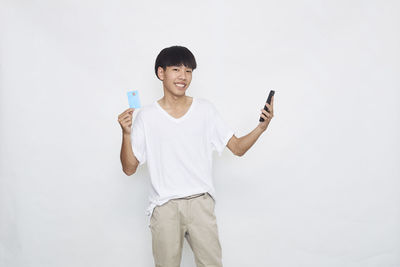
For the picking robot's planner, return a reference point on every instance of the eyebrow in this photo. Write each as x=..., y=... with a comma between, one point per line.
x=180, y=66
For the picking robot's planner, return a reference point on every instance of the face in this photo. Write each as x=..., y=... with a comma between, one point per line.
x=176, y=79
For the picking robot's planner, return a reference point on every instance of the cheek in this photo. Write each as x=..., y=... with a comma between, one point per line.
x=169, y=79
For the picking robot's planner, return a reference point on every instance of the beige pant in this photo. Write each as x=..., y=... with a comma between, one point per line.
x=192, y=217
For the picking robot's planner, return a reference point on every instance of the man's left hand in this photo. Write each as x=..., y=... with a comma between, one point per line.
x=267, y=116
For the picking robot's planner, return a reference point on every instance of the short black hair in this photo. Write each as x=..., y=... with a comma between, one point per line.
x=175, y=56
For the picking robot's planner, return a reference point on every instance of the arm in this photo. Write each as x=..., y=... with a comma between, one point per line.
x=239, y=146
x=128, y=159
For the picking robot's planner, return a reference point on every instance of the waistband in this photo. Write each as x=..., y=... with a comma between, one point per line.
x=192, y=196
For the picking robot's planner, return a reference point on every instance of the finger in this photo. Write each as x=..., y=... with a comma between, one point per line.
x=264, y=112
x=127, y=120
x=272, y=102
x=270, y=108
x=122, y=115
x=124, y=120
x=129, y=110
x=125, y=116
x=265, y=117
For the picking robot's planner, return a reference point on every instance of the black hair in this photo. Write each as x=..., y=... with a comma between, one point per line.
x=175, y=56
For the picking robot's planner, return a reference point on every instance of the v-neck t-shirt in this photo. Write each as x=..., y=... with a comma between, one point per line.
x=178, y=151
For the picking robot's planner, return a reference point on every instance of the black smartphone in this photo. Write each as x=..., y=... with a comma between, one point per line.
x=271, y=94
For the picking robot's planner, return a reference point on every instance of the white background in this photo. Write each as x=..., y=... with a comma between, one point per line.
x=319, y=188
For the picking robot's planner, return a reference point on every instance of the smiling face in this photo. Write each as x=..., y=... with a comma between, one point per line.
x=176, y=79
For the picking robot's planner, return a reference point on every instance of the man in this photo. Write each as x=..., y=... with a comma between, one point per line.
x=176, y=136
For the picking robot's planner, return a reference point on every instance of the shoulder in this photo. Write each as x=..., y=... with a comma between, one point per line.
x=145, y=111
x=206, y=107
x=205, y=103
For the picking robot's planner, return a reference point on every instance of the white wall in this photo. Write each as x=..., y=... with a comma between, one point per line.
x=319, y=188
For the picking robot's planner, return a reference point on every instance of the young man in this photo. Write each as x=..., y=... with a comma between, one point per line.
x=176, y=136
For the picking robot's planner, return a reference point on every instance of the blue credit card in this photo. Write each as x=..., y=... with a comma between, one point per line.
x=133, y=98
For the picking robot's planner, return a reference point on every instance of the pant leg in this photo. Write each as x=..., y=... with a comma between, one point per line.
x=167, y=235
x=202, y=232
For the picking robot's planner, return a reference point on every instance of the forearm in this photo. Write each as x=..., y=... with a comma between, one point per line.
x=128, y=160
x=247, y=141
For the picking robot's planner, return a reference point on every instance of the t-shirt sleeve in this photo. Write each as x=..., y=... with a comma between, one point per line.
x=220, y=131
x=138, y=139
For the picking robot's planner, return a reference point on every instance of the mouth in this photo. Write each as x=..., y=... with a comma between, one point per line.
x=180, y=85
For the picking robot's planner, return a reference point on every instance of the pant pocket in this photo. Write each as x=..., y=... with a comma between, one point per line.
x=152, y=217
x=212, y=201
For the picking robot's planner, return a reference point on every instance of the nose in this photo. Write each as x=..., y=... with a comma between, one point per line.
x=182, y=74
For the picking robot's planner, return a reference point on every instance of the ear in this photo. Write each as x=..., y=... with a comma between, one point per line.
x=160, y=72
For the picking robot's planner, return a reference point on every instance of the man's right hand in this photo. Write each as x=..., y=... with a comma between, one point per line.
x=125, y=120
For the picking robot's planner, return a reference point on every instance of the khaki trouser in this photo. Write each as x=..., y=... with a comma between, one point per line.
x=191, y=217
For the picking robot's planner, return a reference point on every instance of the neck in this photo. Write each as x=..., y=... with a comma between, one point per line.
x=172, y=101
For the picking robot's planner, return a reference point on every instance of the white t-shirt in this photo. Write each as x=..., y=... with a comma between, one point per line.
x=178, y=152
